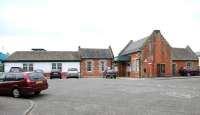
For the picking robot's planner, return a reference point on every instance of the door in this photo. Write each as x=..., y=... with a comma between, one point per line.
x=174, y=69
x=161, y=70
x=6, y=84
x=122, y=69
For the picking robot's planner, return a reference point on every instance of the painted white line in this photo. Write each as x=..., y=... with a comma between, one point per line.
x=32, y=104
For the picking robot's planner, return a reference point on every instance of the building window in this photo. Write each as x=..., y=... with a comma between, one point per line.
x=57, y=66
x=102, y=65
x=189, y=65
x=136, y=65
x=89, y=66
x=28, y=67
x=53, y=65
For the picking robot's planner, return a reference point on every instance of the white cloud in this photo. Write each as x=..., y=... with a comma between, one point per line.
x=66, y=24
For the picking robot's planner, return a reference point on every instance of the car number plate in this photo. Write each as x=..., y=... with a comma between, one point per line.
x=39, y=82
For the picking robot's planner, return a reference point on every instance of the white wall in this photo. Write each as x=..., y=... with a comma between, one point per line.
x=46, y=66
x=7, y=66
x=199, y=61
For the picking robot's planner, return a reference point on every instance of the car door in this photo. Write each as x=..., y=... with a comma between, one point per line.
x=9, y=82
x=2, y=84
x=20, y=82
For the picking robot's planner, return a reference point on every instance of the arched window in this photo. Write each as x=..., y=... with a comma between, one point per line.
x=89, y=66
x=102, y=65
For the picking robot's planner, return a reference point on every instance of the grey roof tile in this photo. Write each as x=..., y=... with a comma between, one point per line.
x=134, y=46
x=198, y=54
x=96, y=53
x=44, y=56
x=183, y=54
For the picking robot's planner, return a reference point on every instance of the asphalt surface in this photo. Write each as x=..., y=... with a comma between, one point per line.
x=119, y=97
x=12, y=106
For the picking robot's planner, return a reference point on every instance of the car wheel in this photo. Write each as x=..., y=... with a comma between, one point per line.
x=37, y=93
x=16, y=93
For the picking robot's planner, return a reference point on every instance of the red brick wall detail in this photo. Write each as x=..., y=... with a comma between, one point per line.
x=95, y=71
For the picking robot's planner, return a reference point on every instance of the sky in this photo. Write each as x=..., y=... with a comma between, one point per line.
x=58, y=25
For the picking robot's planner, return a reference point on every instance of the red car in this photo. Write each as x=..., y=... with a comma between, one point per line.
x=22, y=83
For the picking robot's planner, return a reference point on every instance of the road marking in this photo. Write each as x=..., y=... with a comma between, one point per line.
x=32, y=104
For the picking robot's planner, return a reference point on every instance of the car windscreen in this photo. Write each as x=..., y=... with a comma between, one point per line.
x=36, y=76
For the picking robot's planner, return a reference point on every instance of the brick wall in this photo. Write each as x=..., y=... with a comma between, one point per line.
x=96, y=72
x=160, y=53
x=134, y=57
x=183, y=64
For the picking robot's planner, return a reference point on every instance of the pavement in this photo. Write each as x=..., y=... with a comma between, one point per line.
x=160, y=78
x=116, y=97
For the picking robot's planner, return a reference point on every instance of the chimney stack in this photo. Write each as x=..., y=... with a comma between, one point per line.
x=156, y=31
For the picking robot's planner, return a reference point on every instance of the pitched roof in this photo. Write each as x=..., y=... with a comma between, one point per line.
x=91, y=53
x=133, y=46
x=198, y=54
x=183, y=54
x=43, y=56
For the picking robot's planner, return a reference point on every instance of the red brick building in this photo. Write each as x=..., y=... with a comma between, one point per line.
x=95, y=61
x=153, y=56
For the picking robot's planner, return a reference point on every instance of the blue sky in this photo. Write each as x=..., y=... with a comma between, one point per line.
x=66, y=24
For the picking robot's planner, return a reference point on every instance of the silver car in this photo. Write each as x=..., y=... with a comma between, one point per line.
x=73, y=73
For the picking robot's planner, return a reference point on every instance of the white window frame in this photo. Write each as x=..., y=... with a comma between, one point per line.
x=28, y=66
x=136, y=65
x=102, y=67
x=91, y=66
x=57, y=66
x=190, y=66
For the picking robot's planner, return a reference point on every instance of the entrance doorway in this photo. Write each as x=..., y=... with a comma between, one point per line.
x=161, y=70
x=174, y=69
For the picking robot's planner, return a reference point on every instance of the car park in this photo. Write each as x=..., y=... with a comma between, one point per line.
x=55, y=73
x=73, y=73
x=22, y=83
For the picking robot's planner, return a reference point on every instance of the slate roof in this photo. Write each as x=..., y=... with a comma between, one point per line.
x=134, y=46
x=183, y=54
x=91, y=53
x=198, y=54
x=43, y=56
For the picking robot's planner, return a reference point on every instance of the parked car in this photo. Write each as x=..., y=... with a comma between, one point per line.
x=188, y=72
x=40, y=71
x=72, y=73
x=55, y=73
x=16, y=69
x=110, y=73
x=20, y=83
